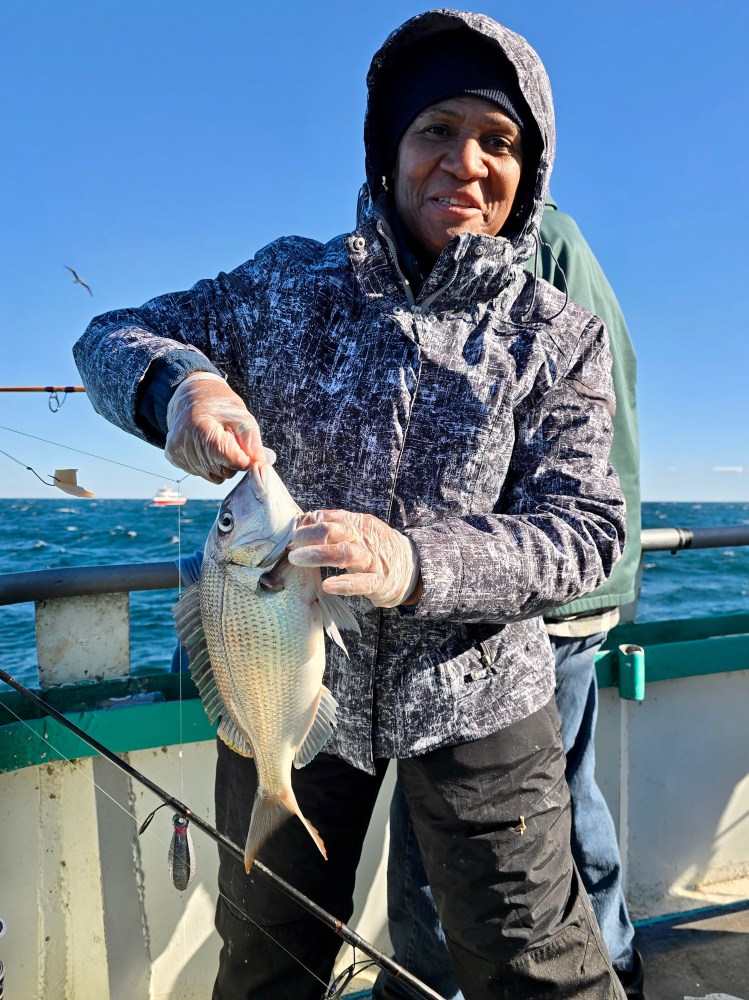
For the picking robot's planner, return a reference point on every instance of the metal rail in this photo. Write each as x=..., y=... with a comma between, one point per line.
x=672, y=539
x=76, y=581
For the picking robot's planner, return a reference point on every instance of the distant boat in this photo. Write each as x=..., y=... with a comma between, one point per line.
x=167, y=497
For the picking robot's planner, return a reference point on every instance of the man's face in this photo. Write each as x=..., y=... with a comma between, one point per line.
x=457, y=170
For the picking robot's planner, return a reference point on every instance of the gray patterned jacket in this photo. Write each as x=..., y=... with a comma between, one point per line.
x=475, y=416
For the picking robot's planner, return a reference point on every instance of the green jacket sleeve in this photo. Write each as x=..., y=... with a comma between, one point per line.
x=586, y=284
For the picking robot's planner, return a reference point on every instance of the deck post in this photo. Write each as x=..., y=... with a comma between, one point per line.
x=82, y=638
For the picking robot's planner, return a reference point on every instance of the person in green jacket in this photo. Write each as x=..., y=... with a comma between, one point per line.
x=576, y=632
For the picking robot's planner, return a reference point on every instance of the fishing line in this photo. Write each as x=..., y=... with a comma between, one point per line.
x=274, y=940
x=333, y=989
x=342, y=980
x=144, y=828
x=180, y=716
x=101, y=458
x=74, y=764
x=180, y=650
x=342, y=929
x=27, y=467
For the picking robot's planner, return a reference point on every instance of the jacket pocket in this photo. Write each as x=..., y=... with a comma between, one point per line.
x=475, y=668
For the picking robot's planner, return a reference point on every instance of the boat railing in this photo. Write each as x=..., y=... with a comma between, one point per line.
x=673, y=539
x=82, y=617
x=656, y=755
x=78, y=581
x=118, y=578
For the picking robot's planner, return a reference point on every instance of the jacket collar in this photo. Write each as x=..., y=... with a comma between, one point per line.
x=472, y=268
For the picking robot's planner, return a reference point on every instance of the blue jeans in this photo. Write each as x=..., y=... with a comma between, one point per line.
x=415, y=932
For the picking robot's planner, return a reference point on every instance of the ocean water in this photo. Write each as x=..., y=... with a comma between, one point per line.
x=48, y=534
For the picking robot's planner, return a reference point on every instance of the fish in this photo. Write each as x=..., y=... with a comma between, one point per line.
x=253, y=626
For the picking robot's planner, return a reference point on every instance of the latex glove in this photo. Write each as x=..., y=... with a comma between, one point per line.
x=380, y=562
x=211, y=433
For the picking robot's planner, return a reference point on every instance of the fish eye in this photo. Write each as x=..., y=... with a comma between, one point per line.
x=226, y=521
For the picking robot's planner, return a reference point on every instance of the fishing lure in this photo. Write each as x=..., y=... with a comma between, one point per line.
x=181, y=857
x=181, y=853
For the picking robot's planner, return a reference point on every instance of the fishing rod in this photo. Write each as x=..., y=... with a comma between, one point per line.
x=343, y=931
x=54, y=402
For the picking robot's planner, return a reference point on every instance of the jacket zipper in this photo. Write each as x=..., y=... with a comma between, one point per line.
x=415, y=309
x=406, y=284
x=394, y=255
x=430, y=298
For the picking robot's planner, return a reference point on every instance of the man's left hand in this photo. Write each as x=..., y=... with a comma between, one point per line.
x=380, y=562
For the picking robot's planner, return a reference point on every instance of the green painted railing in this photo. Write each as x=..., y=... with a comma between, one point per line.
x=138, y=713
x=664, y=651
x=128, y=714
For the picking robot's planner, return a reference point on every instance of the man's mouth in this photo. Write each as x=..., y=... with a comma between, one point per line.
x=457, y=202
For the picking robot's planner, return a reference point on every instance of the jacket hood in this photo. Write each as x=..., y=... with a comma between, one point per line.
x=534, y=86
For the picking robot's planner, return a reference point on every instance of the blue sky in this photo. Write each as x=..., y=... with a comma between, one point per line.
x=151, y=144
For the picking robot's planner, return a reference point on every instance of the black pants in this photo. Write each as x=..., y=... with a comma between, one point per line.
x=493, y=822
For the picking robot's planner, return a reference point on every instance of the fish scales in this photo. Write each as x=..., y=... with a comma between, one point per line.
x=269, y=658
x=253, y=627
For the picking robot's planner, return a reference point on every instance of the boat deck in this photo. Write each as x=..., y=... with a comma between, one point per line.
x=697, y=955
x=701, y=955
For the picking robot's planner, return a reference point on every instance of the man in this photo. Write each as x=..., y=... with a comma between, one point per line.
x=445, y=421
x=577, y=632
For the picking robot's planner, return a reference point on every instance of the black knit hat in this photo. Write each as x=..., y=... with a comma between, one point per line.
x=449, y=64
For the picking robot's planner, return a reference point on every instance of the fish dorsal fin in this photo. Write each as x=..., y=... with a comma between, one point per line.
x=320, y=731
x=336, y=614
x=189, y=625
x=233, y=737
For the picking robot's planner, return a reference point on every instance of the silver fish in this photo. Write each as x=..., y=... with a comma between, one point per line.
x=253, y=627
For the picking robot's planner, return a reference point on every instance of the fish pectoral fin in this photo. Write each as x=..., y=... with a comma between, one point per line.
x=189, y=624
x=336, y=614
x=233, y=737
x=269, y=812
x=320, y=731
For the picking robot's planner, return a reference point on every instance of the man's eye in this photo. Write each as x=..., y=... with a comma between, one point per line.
x=439, y=131
x=497, y=142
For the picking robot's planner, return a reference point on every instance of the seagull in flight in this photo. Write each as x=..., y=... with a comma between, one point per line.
x=77, y=280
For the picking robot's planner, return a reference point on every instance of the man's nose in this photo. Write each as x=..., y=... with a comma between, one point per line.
x=465, y=159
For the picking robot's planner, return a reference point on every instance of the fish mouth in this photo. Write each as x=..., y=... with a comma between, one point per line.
x=280, y=533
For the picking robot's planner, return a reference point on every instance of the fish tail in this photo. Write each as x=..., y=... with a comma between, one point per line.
x=269, y=812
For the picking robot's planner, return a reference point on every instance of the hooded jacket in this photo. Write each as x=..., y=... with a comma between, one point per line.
x=475, y=416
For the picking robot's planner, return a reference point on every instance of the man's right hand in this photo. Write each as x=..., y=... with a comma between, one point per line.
x=211, y=433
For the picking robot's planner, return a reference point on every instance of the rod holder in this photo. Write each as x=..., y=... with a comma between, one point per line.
x=631, y=672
